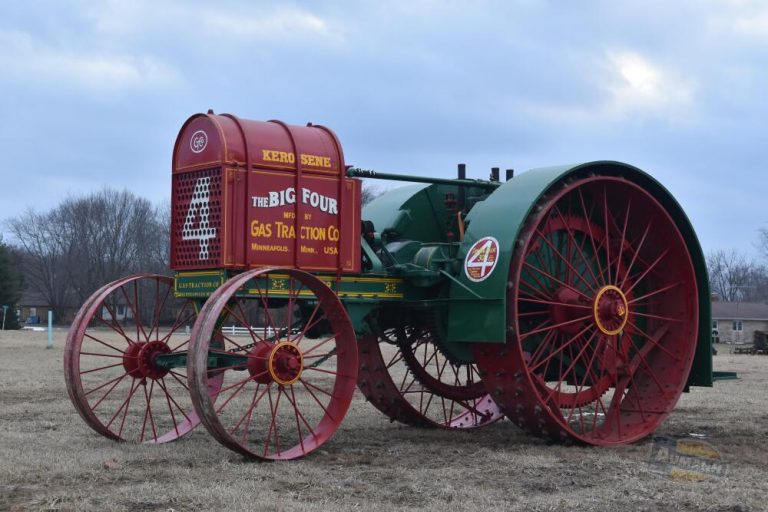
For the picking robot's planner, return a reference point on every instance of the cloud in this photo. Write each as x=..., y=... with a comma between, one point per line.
x=638, y=85
x=190, y=20
x=32, y=62
x=747, y=19
x=277, y=24
x=409, y=85
x=615, y=85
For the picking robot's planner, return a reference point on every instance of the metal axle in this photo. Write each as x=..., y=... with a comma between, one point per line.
x=356, y=172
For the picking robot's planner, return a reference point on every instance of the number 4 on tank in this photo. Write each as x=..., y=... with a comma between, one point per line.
x=199, y=206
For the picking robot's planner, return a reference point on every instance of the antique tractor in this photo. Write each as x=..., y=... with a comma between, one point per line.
x=572, y=300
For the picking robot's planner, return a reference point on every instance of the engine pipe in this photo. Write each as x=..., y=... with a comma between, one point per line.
x=356, y=172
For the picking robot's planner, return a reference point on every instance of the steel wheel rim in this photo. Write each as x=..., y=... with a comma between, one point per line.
x=437, y=373
x=623, y=346
x=111, y=393
x=274, y=412
x=402, y=388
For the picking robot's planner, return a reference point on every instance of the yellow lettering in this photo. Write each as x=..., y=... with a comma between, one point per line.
x=315, y=160
x=313, y=233
x=268, y=248
x=333, y=233
x=261, y=230
x=271, y=155
x=285, y=230
x=289, y=215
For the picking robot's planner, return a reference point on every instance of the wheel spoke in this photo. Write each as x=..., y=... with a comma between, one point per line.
x=103, y=343
x=580, y=249
x=558, y=281
x=621, y=241
x=636, y=254
x=567, y=263
x=170, y=409
x=655, y=292
x=555, y=326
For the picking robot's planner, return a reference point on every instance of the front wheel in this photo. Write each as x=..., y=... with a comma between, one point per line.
x=110, y=361
x=285, y=349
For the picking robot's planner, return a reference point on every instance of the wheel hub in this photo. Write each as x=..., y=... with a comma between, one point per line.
x=282, y=363
x=139, y=360
x=610, y=310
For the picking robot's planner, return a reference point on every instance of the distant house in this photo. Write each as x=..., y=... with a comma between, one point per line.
x=119, y=311
x=736, y=322
x=32, y=308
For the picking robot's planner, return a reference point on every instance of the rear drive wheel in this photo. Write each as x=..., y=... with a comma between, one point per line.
x=603, y=316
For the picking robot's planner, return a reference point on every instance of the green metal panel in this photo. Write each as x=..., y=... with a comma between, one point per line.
x=502, y=215
x=369, y=288
x=198, y=283
x=406, y=211
x=724, y=376
x=418, y=212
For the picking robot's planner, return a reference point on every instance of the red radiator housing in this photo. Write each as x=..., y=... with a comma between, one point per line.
x=253, y=193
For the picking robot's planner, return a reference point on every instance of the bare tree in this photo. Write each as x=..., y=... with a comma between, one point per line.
x=735, y=278
x=43, y=259
x=156, y=256
x=369, y=193
x=756, y=289
x=10, y=285
x=89, y=241
x=110, y=233
x=762, y=242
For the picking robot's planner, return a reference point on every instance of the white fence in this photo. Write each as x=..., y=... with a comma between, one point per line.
x=261, y=332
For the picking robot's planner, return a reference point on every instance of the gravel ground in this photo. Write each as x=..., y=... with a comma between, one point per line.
x=50, y=460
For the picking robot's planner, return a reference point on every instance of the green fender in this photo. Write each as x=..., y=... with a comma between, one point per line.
x=478, y=311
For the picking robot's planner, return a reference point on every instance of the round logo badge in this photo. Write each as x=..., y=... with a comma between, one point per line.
x=481, y=259
x=198, y=142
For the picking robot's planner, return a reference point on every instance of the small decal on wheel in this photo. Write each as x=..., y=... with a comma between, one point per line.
x=481, y=259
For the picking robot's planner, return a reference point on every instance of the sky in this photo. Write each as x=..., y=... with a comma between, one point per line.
x=93, y=93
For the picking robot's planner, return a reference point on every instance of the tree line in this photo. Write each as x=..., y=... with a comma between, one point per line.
x=734, y=277
x=67, y=253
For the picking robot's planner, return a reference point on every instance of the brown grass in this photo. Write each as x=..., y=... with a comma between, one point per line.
x=50, y=460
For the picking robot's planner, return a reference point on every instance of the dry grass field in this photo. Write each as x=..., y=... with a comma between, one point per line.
x=50, y=460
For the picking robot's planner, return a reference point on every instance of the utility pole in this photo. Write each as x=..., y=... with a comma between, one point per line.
x=5, y=312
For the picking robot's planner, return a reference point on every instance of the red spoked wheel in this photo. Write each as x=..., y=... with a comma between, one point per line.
x=284, y=346
x=603, y=316
x=407, y=378
x=112, y=366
